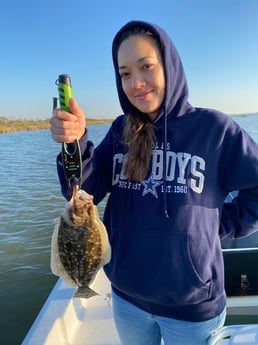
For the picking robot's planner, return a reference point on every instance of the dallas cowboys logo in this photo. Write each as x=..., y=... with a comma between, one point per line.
x=150, y=186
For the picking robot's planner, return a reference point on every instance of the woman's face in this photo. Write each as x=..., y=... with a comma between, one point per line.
x=142, y=75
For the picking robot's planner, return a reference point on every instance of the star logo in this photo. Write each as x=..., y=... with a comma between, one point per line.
x=150, y=186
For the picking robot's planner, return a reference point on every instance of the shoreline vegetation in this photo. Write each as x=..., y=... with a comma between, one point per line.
x=18, y=125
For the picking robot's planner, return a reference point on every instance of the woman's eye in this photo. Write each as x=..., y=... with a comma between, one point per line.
x=124, y=75
x=147, y=67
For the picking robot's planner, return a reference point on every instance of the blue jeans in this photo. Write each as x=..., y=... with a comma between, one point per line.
x=137, y=327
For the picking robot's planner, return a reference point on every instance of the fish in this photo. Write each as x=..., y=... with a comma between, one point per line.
x=80, y=244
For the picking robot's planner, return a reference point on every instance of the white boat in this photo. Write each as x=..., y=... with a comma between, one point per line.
x=65, y=320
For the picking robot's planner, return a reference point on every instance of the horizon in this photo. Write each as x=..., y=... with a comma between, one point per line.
x=103, y=118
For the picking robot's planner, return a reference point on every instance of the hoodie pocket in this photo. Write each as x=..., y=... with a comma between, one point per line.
x=160, y=270
x=185, y=284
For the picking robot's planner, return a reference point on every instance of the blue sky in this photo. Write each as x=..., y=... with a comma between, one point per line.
x=217, y=41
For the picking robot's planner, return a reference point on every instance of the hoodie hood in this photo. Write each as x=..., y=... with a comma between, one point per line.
x=176, y=96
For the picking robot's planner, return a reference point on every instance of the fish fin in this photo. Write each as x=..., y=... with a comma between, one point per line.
x=85, y=292
x=106, y=248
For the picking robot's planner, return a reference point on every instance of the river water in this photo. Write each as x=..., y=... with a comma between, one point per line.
x=30, y=201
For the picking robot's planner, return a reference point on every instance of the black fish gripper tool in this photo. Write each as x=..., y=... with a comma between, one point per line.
x=72, y=164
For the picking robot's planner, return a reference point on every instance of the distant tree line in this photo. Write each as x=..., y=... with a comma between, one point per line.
x=8, y=125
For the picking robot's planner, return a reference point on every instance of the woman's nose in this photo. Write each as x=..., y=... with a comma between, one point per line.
x=137, y=81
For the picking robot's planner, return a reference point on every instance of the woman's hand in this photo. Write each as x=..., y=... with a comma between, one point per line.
x=67, y=127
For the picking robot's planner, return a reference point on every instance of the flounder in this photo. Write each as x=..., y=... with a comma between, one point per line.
x=80, y=245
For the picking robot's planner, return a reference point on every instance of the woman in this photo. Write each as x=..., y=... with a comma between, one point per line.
x=168, y=167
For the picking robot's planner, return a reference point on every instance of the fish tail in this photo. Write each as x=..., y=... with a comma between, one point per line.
x=85, y=292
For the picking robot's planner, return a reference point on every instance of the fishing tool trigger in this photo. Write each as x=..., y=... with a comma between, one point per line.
x=72, y=163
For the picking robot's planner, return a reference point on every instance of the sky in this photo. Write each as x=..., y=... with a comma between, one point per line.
x=216, y=39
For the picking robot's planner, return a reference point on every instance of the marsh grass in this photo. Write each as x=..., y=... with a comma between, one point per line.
x=17, y=125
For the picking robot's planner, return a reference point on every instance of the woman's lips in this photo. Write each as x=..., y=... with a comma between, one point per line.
x=143, y=95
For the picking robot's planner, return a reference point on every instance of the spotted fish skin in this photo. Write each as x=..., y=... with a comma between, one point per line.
x=80, y=244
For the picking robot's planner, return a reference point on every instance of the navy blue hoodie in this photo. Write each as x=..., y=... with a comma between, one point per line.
x=165, y=232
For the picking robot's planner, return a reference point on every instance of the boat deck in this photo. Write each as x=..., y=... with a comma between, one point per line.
x=65, y=320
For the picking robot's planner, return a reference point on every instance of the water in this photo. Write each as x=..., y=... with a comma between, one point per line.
x=30, y=201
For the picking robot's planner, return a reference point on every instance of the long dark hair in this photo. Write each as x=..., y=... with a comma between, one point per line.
x=139, y=134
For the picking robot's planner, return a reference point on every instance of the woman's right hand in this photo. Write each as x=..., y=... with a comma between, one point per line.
x=67, y=127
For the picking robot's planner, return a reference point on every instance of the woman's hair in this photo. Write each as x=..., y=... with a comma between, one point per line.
x=139, y=135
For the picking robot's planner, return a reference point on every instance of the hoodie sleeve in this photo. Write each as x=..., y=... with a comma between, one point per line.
x=240, y=173
x=97, y=164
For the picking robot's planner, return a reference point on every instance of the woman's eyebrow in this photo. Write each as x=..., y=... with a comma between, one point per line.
x=139, y=60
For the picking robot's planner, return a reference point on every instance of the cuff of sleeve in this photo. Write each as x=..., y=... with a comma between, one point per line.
x=82, y=141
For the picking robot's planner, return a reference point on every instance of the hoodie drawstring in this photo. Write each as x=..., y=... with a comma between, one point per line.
x=165, y=165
